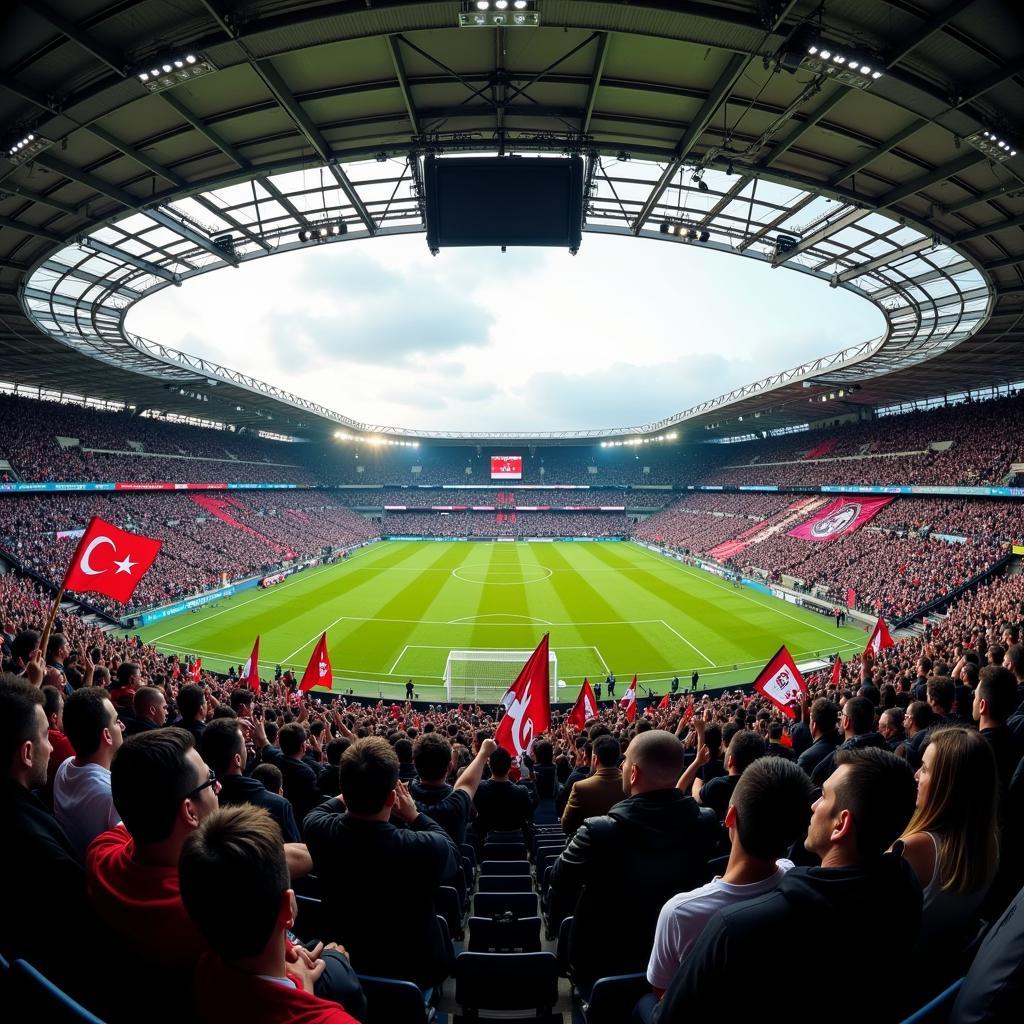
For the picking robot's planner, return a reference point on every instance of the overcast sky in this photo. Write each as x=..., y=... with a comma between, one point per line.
x=626, y=332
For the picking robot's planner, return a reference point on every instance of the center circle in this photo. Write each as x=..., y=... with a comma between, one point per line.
x=485, y=575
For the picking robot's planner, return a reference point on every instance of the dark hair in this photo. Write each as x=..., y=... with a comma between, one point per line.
x=291, y=738
x=336, y=748
x=543, y=752
x=500, y=762
x=942, y=691
x=24, y=644
x=403, y=748
x=232, y=873
x=240, y=699
x=998, y=688
x=1016, y=656
x=713, y=739
x=85, y=718
x=368, y=773
x=221, y=740
x=270, y=776
x=125, y=671
x=607, y=751
x=54, y=644
x=52, y=699
x=920, y=713
x=18, y=722
x=190, y=701
x=880, y=792
x=860, y=713
x=145, y=698
x=775, y=730
x=270, y=728
x=745, y=748
x=824, y=714
x=150, y=776
x=432, y=754
x=773, y=806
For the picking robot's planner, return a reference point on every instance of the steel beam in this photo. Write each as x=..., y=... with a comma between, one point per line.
x=190, y=234
x=133, y=261
x=68, y=28
x=826, y=231
x=595, y=82
x=403, y=83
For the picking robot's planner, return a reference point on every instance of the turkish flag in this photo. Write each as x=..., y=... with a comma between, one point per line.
x=628, y=701
x=110, y=561
x=837, y=671
x=664, y=703
x=585, y=707
x=780, y=682
x=251, y=669
x=527, y=704
x=318, y=671
x=880, y=638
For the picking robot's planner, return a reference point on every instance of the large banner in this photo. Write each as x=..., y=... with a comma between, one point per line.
x=844, y=515
x=506, y=467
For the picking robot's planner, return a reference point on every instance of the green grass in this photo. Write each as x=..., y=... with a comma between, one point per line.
x=393, y=611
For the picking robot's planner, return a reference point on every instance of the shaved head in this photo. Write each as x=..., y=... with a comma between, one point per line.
x=654, y=760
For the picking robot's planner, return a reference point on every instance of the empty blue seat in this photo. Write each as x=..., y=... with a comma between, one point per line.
x=504, y=935
x=29, y=989
x=506, y=981
x=520, y=904
x=506, y=883
x=504, y=867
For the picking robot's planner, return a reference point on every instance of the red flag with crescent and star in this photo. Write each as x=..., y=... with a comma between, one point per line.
x=110, y=561
x=527, y=704
x=318, y=671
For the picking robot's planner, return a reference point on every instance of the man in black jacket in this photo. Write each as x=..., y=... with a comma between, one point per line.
x=223, y=749
x=858, y=724
x=826, y=737
x=621, y=867
x=367, y=864
x=864, y=807
x=501, y=805
x=300, y=782
x=449, y=806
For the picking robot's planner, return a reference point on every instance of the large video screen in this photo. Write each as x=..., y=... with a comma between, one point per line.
x=504, y=201
x=506, y=467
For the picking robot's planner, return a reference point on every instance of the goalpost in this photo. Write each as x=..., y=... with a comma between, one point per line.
x=482, y=677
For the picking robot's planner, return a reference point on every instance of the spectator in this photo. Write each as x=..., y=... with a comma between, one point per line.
x=223, y=749
x=769, y=811
x=501, y=805
x=994, y=702
x=300, y=786
x=775, y=745
x=826, y=737
x=81, y=789
x=857, y=722
x=192, y=709
x=270, y=778
x=60, y=746
x=657, y=838
x=359, y=855
x=236, y=889
x=865, y=805
x=329, y=781
x=890, y=728
x=149, y=711
x=744, y=749
x=599, y=793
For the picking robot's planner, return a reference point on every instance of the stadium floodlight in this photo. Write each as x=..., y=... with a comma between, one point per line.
x=992, y=145
x=804, y=50
x=499, y=14
x=164, y=73
x=686, y=231
x=322, y=230
x=28, y=146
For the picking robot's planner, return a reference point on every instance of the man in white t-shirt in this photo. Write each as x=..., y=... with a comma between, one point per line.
x=769, y=810
x=81, y=787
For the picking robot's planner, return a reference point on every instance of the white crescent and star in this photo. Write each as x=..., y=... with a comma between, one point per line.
x=125, y=565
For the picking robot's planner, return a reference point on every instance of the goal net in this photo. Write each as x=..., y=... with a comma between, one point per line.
x=482, y=677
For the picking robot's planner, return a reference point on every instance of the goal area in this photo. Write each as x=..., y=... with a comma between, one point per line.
x=483, y=676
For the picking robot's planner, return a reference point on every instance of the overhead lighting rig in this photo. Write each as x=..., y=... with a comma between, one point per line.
x=684, y=230
x=164, y=73
x=322, y=231
x=843, y=64
x=499, y=14
x=27, y=147
x=992, y=145
x=634, y=442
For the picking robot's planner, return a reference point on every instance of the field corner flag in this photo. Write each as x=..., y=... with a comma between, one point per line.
x=319, y=668
x=527, y=704
x=780, y=682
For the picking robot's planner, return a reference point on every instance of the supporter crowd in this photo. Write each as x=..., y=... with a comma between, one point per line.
x=174, y=821
x=494, y=524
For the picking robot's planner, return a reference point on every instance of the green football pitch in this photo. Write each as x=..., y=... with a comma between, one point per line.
x=393, y=610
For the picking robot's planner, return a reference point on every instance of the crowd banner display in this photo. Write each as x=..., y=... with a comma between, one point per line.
x=844, y=515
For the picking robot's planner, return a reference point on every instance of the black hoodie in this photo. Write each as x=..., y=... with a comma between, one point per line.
x=804, y=937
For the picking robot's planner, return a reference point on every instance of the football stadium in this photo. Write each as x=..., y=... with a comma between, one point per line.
x=580, y=578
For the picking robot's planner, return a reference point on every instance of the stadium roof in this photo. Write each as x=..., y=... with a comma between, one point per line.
x=891, y=163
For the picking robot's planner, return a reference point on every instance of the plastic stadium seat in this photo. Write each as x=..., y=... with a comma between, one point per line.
x=28, y=988
x=468, y=851
x=506, y=883
x=937, y=1010
x=504, y=867
x=389, y=1001
x=612, y=999
x=504, y=935
x=506, y=981
x=519, y=904
x=309, y=920
x=504, y=851
x=562, y=947
x=448, y=906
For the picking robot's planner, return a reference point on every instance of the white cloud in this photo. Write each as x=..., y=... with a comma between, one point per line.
x=625, y=332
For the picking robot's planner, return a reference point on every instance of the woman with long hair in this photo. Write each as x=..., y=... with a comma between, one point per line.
x=951, y=841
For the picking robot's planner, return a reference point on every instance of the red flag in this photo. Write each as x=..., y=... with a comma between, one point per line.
x=197, y=668
x=585, y=707
x=251, y=669
x=527, y=704
x=110, y=561
x=880, y=638
x=786, y=740
x=628, y=701
x=851, y=597
x=318, y=671
x=837, y=671
x=664, y=703
x=780, y=682
x=688, y=713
